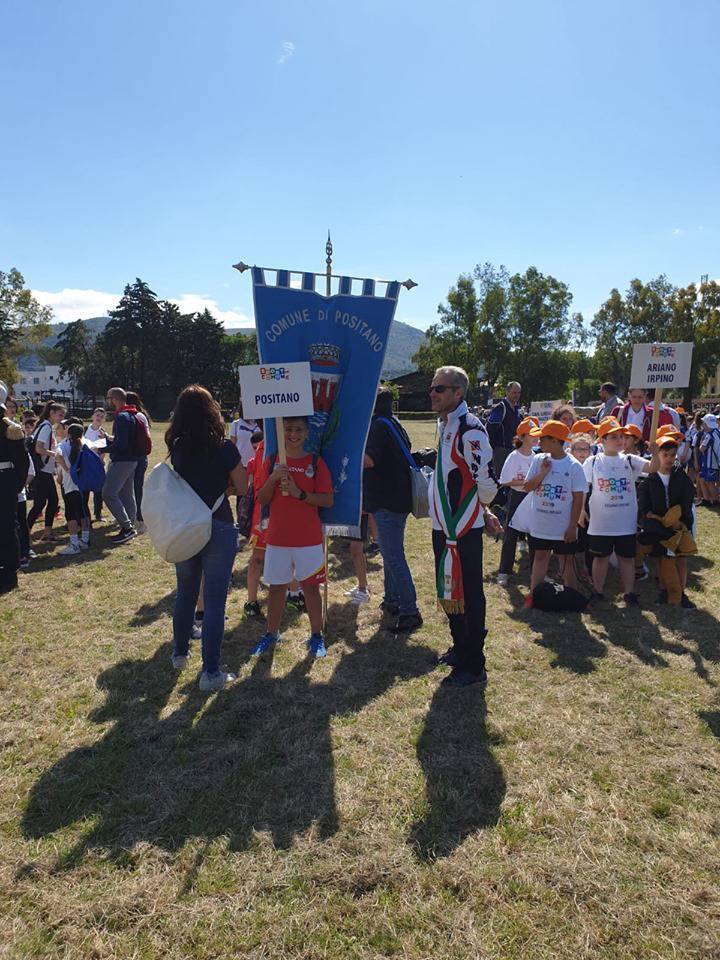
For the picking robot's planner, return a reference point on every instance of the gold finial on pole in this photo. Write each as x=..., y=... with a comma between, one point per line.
x=328, y=268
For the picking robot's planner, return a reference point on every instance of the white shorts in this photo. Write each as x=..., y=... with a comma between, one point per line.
x=283, y=564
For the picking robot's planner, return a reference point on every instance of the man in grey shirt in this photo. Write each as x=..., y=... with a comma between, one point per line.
x=610, y=400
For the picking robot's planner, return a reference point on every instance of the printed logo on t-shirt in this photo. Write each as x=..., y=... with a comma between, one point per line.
x=552, y=492
x=615, y=487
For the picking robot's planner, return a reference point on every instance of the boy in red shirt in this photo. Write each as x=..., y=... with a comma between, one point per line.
x=294, y=535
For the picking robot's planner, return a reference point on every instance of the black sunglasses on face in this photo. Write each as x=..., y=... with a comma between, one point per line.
x=440, y=388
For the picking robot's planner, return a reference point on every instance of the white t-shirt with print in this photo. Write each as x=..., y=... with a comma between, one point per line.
x=68, y=484
x=515, y=468
x=44, y=433
x=613, y=500
x=551, y=501
x=241, y=432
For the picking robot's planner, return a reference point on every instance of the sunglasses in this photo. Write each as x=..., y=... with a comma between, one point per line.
x=441, y=388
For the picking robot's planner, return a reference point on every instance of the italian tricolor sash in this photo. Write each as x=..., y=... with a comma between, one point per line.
x=454, y=525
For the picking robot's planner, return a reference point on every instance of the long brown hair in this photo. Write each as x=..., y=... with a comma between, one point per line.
x=75, y=436
x=196, y=420
x=51, y=407
x=134, y=400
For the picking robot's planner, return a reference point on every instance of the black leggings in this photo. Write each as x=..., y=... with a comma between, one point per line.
x=46, y=496
x=22, y=529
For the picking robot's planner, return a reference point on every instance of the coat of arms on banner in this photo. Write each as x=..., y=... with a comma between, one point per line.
x=344, y=337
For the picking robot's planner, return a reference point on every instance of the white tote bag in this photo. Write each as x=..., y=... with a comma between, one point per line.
x=520, y=519
x=177, y=520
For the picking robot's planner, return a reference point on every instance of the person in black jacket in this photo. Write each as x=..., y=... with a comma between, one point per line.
x=502, y=425
x=669, y=487
x=387, y=496
x=13, y=473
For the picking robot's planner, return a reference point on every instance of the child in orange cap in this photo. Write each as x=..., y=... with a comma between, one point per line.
x=633, y=440
x=512, y=476
x=558, y=485
x=613, y=509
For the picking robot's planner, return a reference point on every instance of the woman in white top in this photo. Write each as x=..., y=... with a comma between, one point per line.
x=133, y=400
x=46, y=496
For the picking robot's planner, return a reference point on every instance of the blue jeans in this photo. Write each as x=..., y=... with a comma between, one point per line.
x=215, y=561
x=399, y=586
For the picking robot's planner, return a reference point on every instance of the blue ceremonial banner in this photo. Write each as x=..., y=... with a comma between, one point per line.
x=344, y=337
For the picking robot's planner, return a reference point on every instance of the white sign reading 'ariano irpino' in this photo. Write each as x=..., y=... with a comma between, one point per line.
x=662, y=365
x=276, y=390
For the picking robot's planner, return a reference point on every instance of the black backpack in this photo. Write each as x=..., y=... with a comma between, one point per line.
x=553, y=598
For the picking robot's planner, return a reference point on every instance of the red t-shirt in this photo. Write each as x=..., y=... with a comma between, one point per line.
x=293, y=522
x=257, y=473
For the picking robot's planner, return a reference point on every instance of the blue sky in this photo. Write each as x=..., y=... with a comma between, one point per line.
x=167, y=139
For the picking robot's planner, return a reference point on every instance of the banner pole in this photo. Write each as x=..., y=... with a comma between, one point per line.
x=282, y=453
x=328, y=291
x=656, y=413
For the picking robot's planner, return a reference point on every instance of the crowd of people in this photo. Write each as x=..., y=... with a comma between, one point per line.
x=593, y=492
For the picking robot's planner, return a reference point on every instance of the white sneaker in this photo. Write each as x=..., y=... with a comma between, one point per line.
x=358, y=596
x=502, y=579
x=179, y=663
x=196, y=630
x=140, y=526
x=71, y=550
x=209, y=682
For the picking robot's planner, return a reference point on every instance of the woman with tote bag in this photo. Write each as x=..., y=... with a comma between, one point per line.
x=211, y=465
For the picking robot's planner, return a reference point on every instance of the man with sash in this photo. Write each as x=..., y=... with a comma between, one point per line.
x=463, y=484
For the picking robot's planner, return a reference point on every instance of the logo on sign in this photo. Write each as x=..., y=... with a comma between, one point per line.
x=274, y=373
x=663, y=351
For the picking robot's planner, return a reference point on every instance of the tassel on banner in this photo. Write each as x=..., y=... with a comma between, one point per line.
x=451, y=606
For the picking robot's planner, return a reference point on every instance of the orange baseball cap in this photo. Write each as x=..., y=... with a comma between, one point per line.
x=552, y=428
x=669, y=430
x=633, y=430
x=680, y=409
x=583, y=426
x=610, y=425
x=526, y=426
x=668, y=440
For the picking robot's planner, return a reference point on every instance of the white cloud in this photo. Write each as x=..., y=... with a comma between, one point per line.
x=677, y=232
x=194, y=303
x=68, y=304
x=286, y=51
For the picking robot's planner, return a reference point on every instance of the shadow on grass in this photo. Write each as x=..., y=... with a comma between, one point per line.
x=256, y=757
x=465, y=784
x=48, y=554
x=712, y=719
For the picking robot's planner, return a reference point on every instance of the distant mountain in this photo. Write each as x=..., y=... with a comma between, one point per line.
x=403, y=343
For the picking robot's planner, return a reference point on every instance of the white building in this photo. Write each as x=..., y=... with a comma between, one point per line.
x=40, y=380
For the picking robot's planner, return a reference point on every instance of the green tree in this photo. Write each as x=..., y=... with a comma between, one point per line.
x=136, y=327
x=75, y=345
x=695, y=318
x=643, y=315
x=471, y=329
x=24, y=322
x=540, y=330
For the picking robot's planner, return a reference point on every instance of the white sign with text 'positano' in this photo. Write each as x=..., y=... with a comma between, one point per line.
x=276, y=390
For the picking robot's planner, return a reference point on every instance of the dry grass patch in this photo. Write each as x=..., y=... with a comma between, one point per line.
x=351, y=808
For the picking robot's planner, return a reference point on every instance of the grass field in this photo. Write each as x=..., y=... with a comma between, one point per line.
x=351, y=808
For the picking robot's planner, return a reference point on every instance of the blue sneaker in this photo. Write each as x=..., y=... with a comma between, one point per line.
x=264, y=643
x=316, y=645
